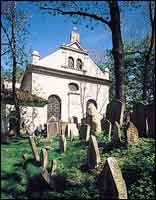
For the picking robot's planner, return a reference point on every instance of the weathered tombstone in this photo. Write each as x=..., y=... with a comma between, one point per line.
x=63, y=143
x=150, y=117
x=115, y=111
x=111, y=183
x=75, y=121
x=131, y=134
x=4, y=130
x=106, y=126
x=116, y=135
x=52, y=129
x=139, y=118
x=85, y=132
x=93, y=155
x=45, y=175
x=71, y=135
x=34, y=148
x=25, y=156
x=44, y=158
x=72, y=129
x=95, y=119
x=53, y=167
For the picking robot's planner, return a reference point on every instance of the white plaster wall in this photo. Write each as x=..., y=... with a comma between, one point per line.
x=59, y=58
x=44, y=86
x=26, y=83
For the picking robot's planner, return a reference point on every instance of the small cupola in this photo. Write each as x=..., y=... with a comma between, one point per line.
x=35, y=57
x=74, y=36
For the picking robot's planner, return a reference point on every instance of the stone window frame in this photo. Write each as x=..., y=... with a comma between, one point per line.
x=73, y=84
x=78, y=67
x=71, y=58
x=60, y=105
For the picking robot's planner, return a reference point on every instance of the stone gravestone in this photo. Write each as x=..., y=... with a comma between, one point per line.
x=111, y=183
x=4, y=130
x=106, y=126
x=53, y=167
x=63, y=143
x=150, y=116
x=63, y=127
x=116, y=135
x=132, y=135
x=34, y=148
x=115, y=111
x=44, y=158
x=72, y=130
x=45, y=175
x=85, y=132
x=139, y=119
x=52, y=129
x=93, y=155
x=95, y=119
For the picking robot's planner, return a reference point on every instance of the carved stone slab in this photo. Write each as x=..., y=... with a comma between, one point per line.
x=93, y=155
x=111, y=182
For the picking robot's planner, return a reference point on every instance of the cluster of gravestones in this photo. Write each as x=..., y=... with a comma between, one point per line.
x=143, y=117
x=110, y=181
x=110, y=174
x=138, y=123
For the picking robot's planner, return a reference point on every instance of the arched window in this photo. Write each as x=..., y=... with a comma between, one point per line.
x=79, y=64
x=71, y=62
x=73, y=86
x=54, y=107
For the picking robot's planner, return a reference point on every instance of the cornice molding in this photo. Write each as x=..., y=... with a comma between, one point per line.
x=68, y=75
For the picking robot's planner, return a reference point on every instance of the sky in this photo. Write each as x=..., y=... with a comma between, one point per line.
x=48, y=32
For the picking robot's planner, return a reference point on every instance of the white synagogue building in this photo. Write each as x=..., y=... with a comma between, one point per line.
x=69, y=79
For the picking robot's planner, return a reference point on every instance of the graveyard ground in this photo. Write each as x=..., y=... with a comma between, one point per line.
x=18, y=182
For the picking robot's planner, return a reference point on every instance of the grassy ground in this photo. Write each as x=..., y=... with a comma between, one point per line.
x=136, y=162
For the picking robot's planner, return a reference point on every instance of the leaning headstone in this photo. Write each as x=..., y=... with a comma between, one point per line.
x=45, y=175
x=44, y=158
x=132, y=135
x=116, y=135
x=85, y=132
x=115, y=111
x=139, y=119
x=150, y=117
x=93, y=155
x=106, y=126
x=111, y=183
x=53, y=167
x=34, y=148
x=63, y=143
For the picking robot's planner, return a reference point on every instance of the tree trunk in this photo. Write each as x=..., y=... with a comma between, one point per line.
x=147, y=56
x=118, y=52
x=14, y=63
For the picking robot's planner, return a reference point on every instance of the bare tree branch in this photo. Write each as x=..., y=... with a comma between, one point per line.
x=6, y=33
x=80, y=13
x=6, y=44
x=5, y=52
